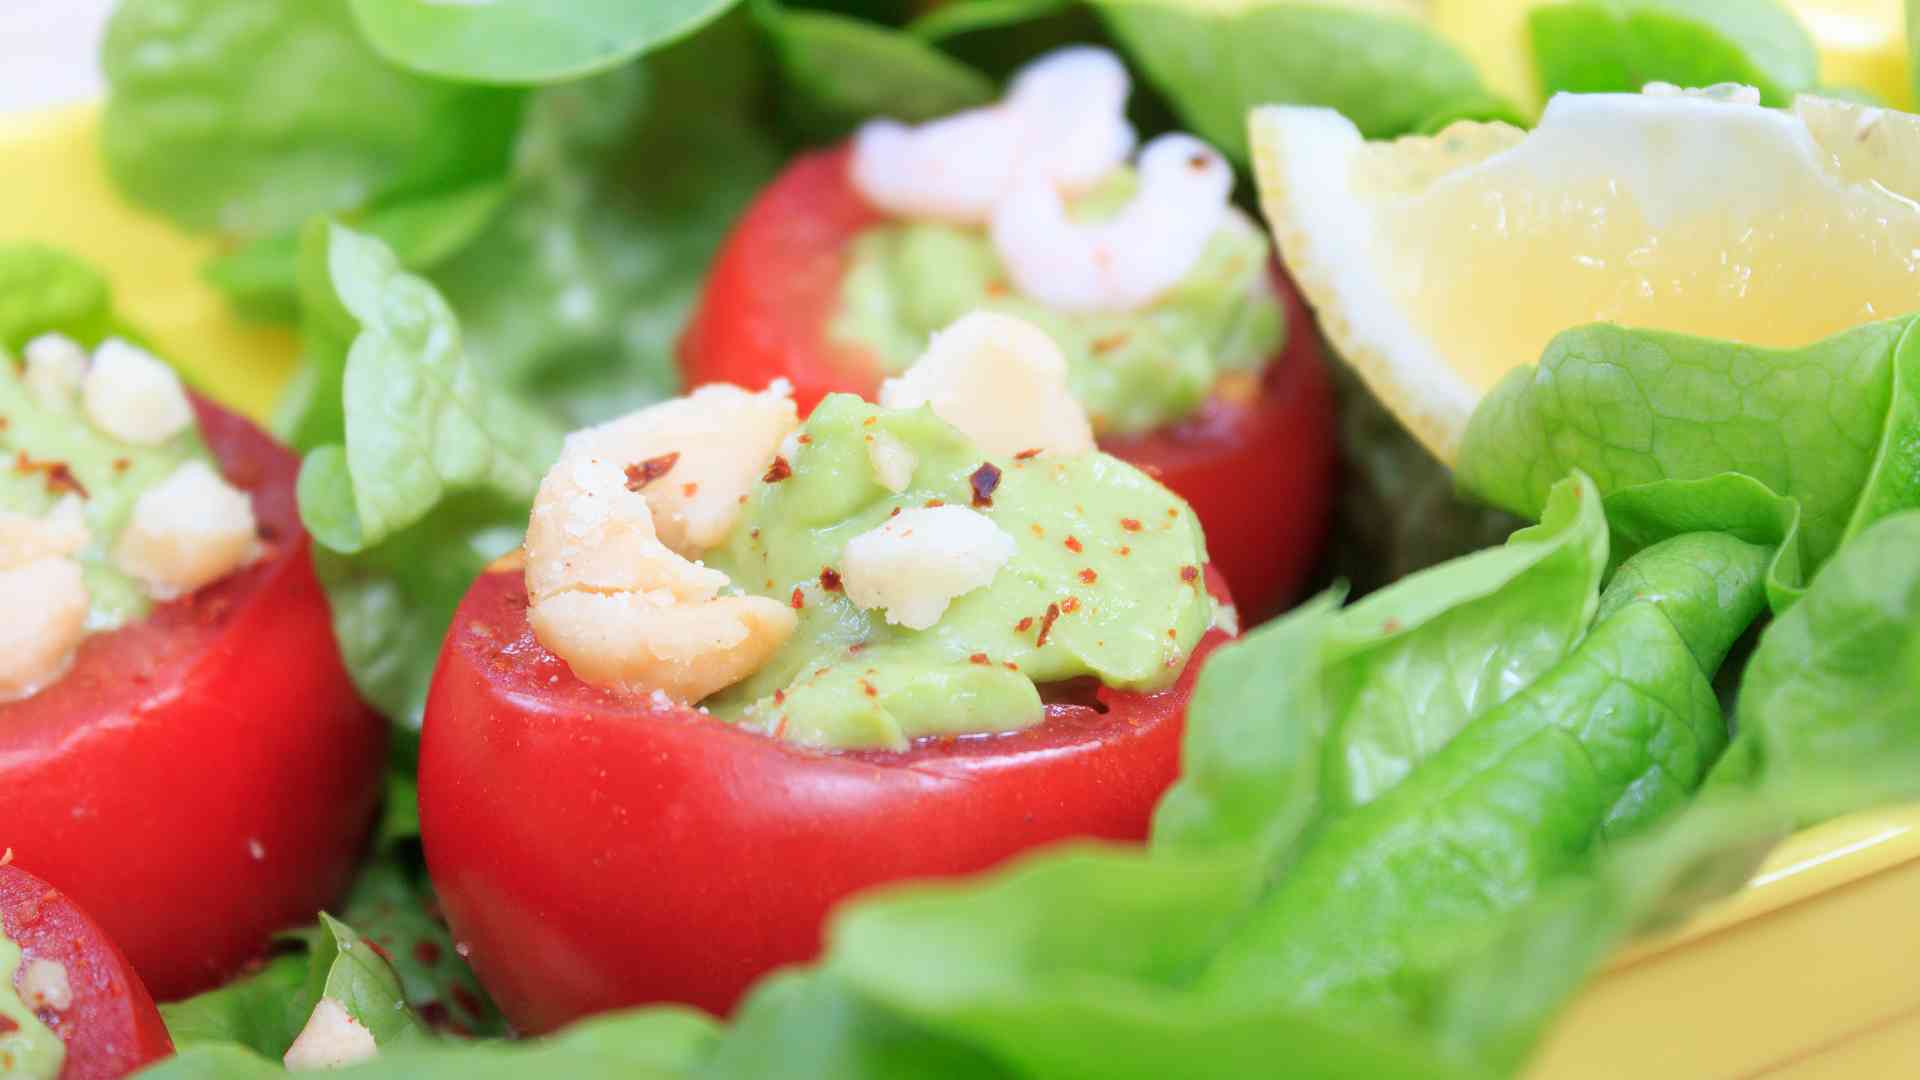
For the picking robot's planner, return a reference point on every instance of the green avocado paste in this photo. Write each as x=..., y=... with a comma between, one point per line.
x=1132, y=370
x=1105, y=580
x=29, y=1050
x=50, y=451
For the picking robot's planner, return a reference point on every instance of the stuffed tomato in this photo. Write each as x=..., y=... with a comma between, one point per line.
x=751, y=666
x=1189, y=349
x=71, y=1006
x=181, y=750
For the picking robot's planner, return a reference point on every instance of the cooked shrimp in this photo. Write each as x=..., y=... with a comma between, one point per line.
x=44, y=595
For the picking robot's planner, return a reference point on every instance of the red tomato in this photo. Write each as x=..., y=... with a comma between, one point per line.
x=207, y=775
x=111, y=1027
x=593, y=851
x=1257, y=466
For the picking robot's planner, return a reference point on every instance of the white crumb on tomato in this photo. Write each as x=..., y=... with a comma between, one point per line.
x=56, y=367
x=44, y=594
x=693, y=457
x=920, y=560
x=132, y=396
x=1002, y=381
x=1063, y=120
x=43, y=985
x=1126, y=261
x=189, y=530
x=331, y=1039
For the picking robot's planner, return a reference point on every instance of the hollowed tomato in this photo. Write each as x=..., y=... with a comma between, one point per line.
x=1256, y=462
x=593, y=850
x=206, y=776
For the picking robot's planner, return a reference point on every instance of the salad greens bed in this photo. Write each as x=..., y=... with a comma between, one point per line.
x=1408, y=827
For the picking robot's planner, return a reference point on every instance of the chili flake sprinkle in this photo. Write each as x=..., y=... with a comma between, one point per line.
x=1046, y=623
x=1089, y=576
x=1027, y=455
x=867, y=689
x=1074, y=545
x=641, y=474
x=1023, y=625
x=689, y=490
x=1189, y=573
x=778, y=471
x=60, y=478
x=1070, y=605
x=829, y=579
x=799, y=598
x=985, y=480
x=1130, y=524
x=979, y=658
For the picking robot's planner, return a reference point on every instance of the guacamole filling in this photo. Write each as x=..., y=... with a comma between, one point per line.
x=50, y=450
x=1104, y=580
x=29, y=1050
x=1132, y=370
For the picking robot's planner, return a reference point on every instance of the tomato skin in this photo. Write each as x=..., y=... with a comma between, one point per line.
x=111, y=1028
x=205, y=776
x=1259, y=472
x=595, y=851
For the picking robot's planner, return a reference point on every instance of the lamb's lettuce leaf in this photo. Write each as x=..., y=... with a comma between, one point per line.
x=1387, y=71
x=1618, y=46
x=45, y=290
x=526, y=41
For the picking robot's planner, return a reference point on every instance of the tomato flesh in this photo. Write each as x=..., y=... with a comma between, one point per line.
x=595, y=851
x=111, y=1027
x=206, y=776
x=1257, y=467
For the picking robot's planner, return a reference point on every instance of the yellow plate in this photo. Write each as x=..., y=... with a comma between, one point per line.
x=1812, y=971
x=54, y=190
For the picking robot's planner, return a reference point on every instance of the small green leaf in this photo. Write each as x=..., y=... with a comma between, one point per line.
x=392, y=911
x=1387, y=72
x=841, y=70
x=348, y=970
x=250, y=118
x=262, y=1011
x=526, y=41
x=970, y=16
x=43, y=290
x=1618, y=46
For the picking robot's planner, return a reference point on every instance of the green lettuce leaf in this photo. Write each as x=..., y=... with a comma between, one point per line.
x=262, y=1011
x=432, y=479
x=839, y=71
x=574, y=297
x=247, y=119
x=812, y=1026
x=392, y=906
x=347, y=969
x=1387, y=72
x=1322, y=711
x=1633, y=407
x=526, y=41
x=1601, y=46
x=971, y=16
x=44, y=290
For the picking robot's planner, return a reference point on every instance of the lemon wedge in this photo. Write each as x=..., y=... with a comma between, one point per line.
x=1437, y=264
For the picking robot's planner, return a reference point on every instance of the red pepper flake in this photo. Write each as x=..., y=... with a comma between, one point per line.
x=60, y=478
x=806, y=440
x=931, y=503
x=799, y=599
x=1172, y=633
x=867, y=689
x=779, y=697
x=1110, y=342
x=689, y=490
x=1027, y=455
x=854, y=649
x=997, y=288
x=1089, y=576
x=1074, y=545
x=829, y=579
x=985, y=480
x=1189, y=573
x=121, y=464
x=646, y=472
x=3, y=423
x=1070, y=605
x=894, y=513
x=1010, y=665
x=1130, y=524
x=1173, y=511
x=980, y=658
x=868, y=422
x=780, y=729
x=778, y=471
x=755, y=534
x=7, y=1027
x=1023, y=625
x=1125, y=551
x=1037, y=530
x=1046, y=623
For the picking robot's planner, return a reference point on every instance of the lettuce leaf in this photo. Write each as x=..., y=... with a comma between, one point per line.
x=526, y=41
x=1618, y=46
x=431, y=477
